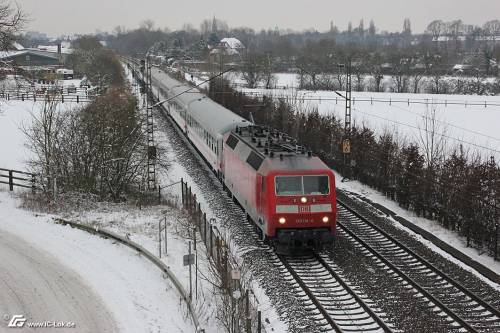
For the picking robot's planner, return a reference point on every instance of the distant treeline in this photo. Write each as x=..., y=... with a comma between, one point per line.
x=459, y=191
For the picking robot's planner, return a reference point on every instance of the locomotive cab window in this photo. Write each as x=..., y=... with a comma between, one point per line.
x=289, y=185
x=302, y=185
x=316, y=185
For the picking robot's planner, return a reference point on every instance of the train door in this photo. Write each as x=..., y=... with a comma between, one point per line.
x=261, y=200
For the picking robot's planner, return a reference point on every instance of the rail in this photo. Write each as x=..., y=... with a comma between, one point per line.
x=336, y=301
x=411, y=277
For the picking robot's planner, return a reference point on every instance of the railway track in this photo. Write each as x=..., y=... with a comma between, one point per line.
x=463, y=309
x=334, y=305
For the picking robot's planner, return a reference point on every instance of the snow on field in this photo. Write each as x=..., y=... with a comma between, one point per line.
x=468, y=120
x=476, y=127
x=14, y=115
x=134, y=291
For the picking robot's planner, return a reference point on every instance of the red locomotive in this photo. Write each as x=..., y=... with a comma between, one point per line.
x=287, y=192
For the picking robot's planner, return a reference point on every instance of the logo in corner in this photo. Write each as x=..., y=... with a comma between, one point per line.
x=17, y=321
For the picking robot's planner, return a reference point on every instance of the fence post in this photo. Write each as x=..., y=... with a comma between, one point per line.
x=193, y=203
x=159, y=238
x=259, y=322
x=196, y=265
x=205, y=227
x=190, y=274
x=496, y=241
x=182, y=191
x=198, y=218
x=166, y=249
x=247, y=313
x=11, y=181
x=33, y=183
x=468, y=233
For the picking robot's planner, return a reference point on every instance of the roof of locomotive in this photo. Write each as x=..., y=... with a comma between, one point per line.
x=275, y=151
x=211, y=115
x=297, y=163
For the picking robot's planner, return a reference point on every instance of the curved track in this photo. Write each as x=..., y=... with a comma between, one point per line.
x=463, y=309
x=334, y=305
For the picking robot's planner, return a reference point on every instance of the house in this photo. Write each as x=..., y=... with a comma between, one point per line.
x=462, y=68
x=232, y=49
x=30, y=58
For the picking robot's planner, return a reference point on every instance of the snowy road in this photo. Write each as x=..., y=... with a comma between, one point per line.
x=35, y=284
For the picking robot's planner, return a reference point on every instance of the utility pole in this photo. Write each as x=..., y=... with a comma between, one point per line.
x=221, y=70
x=346, y=143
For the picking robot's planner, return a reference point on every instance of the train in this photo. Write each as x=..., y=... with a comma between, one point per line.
x=285, y=191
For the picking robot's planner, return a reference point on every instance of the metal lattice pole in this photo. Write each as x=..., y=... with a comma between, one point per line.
x=346, y=143
x=151, y=162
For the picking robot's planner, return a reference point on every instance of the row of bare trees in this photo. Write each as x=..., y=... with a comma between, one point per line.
x=98, y=148
x=460, y=191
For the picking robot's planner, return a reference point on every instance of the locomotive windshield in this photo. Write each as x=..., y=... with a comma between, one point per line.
x=302, y=185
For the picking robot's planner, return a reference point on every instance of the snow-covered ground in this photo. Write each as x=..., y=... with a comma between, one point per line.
x=467, y=120
x=14, y=116
x=475, y=127
x=114, y=279
x=117, y=280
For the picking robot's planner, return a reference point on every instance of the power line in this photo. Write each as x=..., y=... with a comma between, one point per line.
x=420, y=129
x=447, y=123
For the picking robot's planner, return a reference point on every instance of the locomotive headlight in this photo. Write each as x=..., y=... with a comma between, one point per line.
x=303, y=199
x=282, y=220
x=325, y=219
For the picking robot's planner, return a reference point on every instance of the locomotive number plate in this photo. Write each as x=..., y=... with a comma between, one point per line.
x=304, y=209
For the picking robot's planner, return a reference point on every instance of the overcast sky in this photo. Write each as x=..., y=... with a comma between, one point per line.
x=56, y=17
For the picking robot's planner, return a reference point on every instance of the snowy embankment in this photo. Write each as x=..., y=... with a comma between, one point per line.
x=132, y=290
x=128, y=287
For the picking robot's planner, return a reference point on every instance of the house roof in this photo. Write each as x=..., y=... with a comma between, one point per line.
x=53, y=48
x=232, y=43
x=11, y=54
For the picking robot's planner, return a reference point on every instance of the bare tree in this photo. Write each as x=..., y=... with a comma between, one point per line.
x=492, y=28
x=432, y=135
x=268, y=72
x=252, y=70
x=417, y=77
x=12, y=20
x=42, y=138
x=147, y=25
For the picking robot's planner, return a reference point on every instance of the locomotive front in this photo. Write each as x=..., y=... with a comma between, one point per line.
x=304, y=205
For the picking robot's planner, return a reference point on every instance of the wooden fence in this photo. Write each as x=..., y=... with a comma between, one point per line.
x=42, y=95
x=248, y=318
x=16, y=178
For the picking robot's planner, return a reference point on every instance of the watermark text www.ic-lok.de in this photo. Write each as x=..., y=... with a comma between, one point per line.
x=20, y=321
